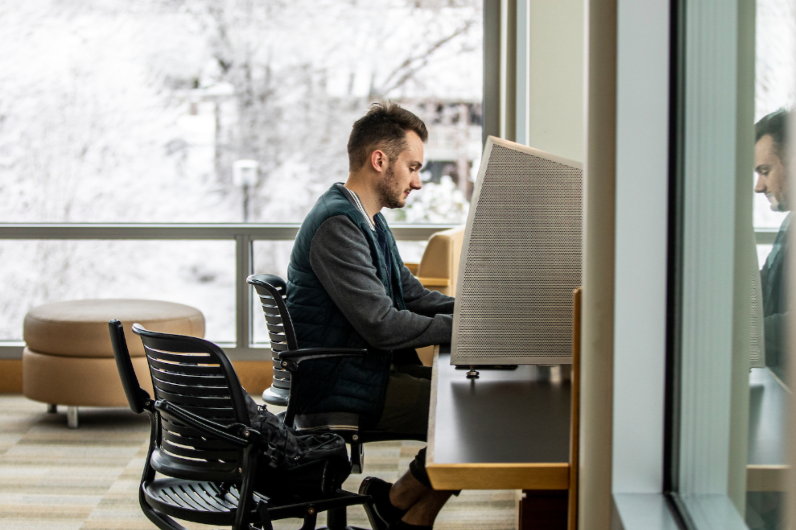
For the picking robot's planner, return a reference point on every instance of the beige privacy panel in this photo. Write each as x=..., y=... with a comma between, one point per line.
x=521, y=259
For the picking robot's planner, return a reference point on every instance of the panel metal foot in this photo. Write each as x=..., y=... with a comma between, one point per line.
x=71, y=417
x=52, y=408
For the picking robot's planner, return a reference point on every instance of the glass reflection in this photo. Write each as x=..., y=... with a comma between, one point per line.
x=772, y=160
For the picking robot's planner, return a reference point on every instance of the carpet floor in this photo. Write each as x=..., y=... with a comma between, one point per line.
x=87, y=478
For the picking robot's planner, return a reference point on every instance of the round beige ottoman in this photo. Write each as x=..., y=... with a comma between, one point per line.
x=68, y=357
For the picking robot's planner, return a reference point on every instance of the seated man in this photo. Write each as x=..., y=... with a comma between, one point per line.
x=772, y=161
x=348, y=288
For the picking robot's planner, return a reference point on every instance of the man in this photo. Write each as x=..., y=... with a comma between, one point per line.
x=772, y=160
x=348, y=288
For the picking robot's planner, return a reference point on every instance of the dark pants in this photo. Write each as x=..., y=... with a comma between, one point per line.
x=406, y=410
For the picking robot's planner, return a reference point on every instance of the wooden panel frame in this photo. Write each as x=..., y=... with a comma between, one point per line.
x=574, y=445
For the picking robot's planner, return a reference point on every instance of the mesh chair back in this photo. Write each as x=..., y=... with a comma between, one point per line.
x=272, y=292
x=197, y=376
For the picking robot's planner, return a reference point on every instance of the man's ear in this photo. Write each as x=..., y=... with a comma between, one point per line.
x=378, y=160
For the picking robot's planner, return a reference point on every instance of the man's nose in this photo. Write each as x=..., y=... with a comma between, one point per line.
x=760, y=186
x=416, y=183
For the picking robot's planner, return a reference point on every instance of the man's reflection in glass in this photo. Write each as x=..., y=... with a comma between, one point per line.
x=772, y=161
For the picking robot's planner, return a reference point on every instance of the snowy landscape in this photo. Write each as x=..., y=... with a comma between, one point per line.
x=135, y=112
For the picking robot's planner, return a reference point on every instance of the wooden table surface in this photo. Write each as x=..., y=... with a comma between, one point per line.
x=504, y=430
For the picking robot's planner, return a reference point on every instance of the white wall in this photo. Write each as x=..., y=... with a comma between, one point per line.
x=555, y=78
x=641, y=238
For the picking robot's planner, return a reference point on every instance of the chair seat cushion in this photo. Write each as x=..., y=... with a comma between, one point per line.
x=79, y=328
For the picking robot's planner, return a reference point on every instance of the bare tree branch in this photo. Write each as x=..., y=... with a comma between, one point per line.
x=415, y=63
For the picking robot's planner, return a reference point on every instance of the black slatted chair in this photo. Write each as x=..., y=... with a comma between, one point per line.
x=202, y=441
x=288, y=362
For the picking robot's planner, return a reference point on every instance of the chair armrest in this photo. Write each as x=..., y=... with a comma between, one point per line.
x=291, y=359
x=236, y=433
x=308, y=354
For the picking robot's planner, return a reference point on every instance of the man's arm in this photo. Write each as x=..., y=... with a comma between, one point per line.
x=420, y=300
x=776, y=328
x=340, y=257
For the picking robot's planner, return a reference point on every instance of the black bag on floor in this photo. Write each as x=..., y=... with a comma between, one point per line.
x=293, y=464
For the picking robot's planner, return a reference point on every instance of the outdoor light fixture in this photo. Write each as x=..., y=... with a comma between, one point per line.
x=244, y=172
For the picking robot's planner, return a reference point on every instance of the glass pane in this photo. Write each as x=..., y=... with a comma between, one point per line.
x=769, y=396
x=775, y=39
x=141, y=112
x=270, y=257
x=731, y=325
x=200, y=274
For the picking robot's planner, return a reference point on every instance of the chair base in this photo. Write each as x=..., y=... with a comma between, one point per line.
x=71, y=417
x=275, y=396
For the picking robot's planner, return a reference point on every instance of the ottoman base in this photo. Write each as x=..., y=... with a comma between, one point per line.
x=77, y=381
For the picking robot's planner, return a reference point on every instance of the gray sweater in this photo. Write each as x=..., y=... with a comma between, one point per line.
x=340, y=257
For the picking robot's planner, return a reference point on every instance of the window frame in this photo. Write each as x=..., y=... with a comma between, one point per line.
x=244, y=234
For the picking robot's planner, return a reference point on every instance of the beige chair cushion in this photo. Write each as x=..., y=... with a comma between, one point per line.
x=439, y=267
x=78, y=381
x=79, y=328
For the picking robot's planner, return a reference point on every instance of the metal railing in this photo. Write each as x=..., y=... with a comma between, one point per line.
x=244, y=234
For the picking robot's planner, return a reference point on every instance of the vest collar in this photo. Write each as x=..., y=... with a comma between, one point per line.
x=354, y=198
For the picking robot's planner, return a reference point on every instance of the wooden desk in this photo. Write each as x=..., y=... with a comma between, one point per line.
x=505, y=430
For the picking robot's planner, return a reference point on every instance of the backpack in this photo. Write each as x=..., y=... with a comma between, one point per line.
x=293, y=464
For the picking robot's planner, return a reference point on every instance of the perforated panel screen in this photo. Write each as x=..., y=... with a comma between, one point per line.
x=521, y=260
x=757, y=341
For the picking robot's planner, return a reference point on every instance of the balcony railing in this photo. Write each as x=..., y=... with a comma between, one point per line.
x=244, y=235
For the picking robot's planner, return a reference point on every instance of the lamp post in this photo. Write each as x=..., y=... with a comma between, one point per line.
x=244, y=174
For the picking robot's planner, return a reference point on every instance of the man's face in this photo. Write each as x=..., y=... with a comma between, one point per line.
x=402, y=175
x=772, y=175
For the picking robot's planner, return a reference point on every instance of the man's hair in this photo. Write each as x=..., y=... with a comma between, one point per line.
x=383, y=127
x=776, y=124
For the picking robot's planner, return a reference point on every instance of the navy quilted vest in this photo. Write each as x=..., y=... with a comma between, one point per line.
x=357, y=386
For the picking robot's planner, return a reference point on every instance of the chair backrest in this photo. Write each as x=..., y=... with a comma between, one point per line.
x=272, y=291
x=438, y=270
x=197, y=376
x=136, y=396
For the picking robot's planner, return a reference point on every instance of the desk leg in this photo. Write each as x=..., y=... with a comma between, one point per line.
x=543, y=510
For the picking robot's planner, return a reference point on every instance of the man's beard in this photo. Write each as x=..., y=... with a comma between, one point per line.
x=389, y=193
x=778, y=202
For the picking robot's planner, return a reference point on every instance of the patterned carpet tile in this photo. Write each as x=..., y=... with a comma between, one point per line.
x=88, y=478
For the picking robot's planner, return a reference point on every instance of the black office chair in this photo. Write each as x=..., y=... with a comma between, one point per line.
x=289, y=361
x=202, y=441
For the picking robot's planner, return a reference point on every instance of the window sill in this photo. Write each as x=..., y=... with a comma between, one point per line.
x=649, y=511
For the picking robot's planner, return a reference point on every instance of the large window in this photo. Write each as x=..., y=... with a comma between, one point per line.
x=775, y=71
x=208, y=111
x=728, y=372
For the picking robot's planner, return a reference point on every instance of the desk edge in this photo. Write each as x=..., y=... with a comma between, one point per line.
x=432, y=413
x=767, y=477
x=502, y=476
